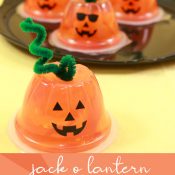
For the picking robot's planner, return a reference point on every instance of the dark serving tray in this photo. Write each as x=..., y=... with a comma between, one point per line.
x=151, y=44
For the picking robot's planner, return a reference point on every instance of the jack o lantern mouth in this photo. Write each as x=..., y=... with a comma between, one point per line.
x=69, y=129
x=128, y=11
x=47, y=6
x=84, y=32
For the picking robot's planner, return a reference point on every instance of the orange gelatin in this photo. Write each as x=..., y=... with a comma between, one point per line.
x=63, y=116
x=45, y=9
x=135, y=10
x=89, y=26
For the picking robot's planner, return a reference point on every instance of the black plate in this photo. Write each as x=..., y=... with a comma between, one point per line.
x=152, y=44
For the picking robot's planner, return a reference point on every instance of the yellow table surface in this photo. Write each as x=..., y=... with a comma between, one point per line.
x=141, y=100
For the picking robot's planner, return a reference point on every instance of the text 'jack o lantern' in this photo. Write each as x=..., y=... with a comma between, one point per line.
x=45, y=9
x=135, y=10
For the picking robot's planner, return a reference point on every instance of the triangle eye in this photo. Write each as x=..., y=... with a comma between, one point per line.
x=57, y=107
x=80, y=105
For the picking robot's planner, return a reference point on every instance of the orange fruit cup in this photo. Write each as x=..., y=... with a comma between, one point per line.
x=137, y=11
x=43, y=10
x=89, y=28
x=61, y=116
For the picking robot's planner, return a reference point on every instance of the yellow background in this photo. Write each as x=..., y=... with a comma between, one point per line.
x=141, y=100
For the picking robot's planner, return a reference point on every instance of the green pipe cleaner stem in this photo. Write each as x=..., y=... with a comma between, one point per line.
x=67, y=67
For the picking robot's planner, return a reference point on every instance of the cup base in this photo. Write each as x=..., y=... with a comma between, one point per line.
x=56, y=42
x=20, y=10
x=28, y=149
x=161, y=16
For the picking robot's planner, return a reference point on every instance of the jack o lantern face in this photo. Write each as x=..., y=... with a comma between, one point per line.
x=135, y=10
x=47, y=4
x=87, y=20
x=131, y=6
x=69, y=129
x=45, y=10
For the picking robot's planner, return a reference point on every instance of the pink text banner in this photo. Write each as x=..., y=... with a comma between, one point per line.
x=87, y=164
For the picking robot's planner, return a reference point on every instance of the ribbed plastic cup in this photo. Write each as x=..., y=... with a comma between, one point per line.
x=89, y=27
x=63, y=116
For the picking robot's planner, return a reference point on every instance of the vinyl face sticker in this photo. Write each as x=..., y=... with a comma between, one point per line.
x=69, y=129
x=47, y=4
x=87, y=23
x=131, y=6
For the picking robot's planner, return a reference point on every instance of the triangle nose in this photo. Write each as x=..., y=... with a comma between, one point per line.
x=69, y=117
x=86, y=25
